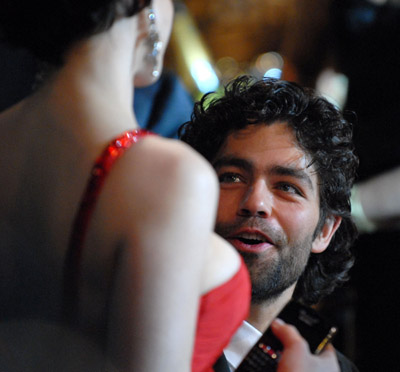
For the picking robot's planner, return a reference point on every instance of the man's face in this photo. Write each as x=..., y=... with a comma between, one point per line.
x=268, y=206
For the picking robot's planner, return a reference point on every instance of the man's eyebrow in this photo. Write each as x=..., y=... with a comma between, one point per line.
x=232, y=161
x=300, y=174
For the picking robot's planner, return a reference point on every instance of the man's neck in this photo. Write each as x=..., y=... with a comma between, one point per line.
x=261, y=315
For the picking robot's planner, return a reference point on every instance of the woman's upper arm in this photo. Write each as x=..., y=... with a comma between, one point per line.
x=168, y=206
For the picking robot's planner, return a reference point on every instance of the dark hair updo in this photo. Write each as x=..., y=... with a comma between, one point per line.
x=47, y=28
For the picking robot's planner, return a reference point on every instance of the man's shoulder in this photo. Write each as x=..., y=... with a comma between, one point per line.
x=346, y=365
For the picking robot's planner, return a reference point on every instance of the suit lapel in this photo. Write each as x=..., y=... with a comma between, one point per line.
x=221, y=365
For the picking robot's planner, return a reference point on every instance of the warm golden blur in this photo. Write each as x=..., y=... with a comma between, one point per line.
x=236, y=35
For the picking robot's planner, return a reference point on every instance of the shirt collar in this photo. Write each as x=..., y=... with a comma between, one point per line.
x=241, y=343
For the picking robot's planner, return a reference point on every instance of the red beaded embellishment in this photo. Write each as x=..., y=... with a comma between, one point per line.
x=99, y=172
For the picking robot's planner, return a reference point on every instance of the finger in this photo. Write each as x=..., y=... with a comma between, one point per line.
x=286, y=333
x=328, y=353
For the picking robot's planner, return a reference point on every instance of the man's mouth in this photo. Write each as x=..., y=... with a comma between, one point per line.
x=255, y=242
x=249, y=238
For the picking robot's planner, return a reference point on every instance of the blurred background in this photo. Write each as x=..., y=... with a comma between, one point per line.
x=347, y=49
x=350, y=51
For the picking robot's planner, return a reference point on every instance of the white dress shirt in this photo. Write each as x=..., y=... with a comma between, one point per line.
x=241, y=343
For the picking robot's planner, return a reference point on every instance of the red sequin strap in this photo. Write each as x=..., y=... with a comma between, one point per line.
x=99, y=173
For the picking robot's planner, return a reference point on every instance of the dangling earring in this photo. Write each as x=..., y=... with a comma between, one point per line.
x=154, y=43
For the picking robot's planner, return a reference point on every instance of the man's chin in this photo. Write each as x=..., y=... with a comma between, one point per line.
x=264, y=299
x=269, y=288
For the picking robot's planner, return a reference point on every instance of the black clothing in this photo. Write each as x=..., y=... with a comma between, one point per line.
x=345, y=364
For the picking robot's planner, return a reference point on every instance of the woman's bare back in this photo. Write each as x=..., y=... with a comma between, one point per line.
x=152, y=218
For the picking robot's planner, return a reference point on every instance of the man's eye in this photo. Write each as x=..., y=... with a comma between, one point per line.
x=229, y=178
x=289, y=188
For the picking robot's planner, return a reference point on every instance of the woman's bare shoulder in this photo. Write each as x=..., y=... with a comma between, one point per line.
x=165, y=165
x=161, y=179
x=174, y=152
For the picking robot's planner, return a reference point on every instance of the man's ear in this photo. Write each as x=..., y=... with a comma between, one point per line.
x=324, y=237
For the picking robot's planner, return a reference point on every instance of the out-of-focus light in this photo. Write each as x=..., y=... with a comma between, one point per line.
x=334, y=86
x=228, y=69
x=270, y=59
x=269, y=65
x=205, y=77
x=193, y=59
x=275, y=73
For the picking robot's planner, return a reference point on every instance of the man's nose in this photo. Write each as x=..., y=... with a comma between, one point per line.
x=257, y=200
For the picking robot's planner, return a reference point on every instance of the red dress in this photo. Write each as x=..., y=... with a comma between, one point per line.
x=222, y=310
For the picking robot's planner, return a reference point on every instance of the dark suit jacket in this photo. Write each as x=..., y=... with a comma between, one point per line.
x=345, y=364
x=221, y=364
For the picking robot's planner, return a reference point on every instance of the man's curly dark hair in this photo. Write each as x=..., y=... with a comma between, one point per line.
x=321, y=131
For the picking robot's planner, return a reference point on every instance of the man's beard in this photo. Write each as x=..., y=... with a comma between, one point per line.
x=271, y=276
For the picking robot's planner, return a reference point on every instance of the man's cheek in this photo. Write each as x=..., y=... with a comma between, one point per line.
x=225, y=206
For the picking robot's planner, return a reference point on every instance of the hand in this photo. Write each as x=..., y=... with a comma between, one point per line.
x=296, y=355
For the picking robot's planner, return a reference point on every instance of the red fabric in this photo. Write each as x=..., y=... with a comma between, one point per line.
x=221, y=312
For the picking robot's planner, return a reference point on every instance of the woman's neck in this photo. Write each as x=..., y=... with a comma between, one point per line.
x=95, y=85
x=104, y=64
